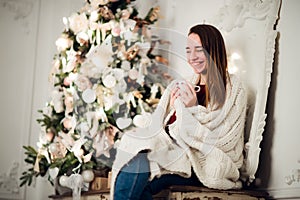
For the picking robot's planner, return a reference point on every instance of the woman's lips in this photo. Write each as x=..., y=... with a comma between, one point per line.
x=197, y=63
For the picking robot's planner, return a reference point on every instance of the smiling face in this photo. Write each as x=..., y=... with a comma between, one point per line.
x=196, y=54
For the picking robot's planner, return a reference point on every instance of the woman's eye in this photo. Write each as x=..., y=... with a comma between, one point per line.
x=199, y=50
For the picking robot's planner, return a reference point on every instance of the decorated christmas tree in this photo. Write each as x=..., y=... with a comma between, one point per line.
x=105, y=80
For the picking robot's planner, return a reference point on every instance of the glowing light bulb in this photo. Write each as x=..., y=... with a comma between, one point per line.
x=232, y=67
x=235, y=56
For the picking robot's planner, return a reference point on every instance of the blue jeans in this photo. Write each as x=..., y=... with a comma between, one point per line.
x=132, y=182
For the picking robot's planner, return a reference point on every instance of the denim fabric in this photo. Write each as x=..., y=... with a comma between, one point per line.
x=133, y=183
x=132, y=179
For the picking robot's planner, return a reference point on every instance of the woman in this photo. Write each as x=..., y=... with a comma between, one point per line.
x=196, y=136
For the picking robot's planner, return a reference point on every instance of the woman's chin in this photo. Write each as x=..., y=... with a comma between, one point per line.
x=199, y=71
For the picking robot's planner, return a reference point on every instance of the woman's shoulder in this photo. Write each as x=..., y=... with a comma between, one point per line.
x=236, y=80
x=237, y=86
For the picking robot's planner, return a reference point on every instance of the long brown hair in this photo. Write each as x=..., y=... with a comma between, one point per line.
x=215, y=52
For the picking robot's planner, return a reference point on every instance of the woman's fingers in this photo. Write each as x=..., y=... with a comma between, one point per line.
x=188, y=95
x=175, y=93
x=185, y=92
x=191, y=88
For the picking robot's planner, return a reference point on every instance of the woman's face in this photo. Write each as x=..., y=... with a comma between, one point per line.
x=195, y=54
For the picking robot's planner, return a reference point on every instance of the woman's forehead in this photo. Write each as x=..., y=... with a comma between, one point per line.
x=194, y=40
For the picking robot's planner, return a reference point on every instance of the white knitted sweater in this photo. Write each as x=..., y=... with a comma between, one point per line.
x=210, y=141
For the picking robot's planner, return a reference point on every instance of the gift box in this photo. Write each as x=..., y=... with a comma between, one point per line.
x=99, y=183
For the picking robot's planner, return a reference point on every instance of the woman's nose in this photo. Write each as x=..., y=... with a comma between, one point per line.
x=193, y=55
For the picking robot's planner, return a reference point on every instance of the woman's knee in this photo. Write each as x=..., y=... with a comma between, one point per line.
x=138, y=164
x=132, y=178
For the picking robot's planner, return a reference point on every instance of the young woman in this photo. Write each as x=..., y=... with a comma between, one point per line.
x=196, y=134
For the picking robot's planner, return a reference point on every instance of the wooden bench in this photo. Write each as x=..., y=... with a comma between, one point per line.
x=180, y=193
x=204, y=193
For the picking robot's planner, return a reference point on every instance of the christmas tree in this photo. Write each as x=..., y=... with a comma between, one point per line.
x=106, y=80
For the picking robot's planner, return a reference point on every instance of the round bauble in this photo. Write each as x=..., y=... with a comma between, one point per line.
x=63, y=180
x=87, y=175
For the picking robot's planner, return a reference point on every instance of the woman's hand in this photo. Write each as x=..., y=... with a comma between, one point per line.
x=175, y=93
x=185, y=92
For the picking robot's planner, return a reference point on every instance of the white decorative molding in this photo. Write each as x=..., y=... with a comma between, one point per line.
x=231, y=17
x=20, y=9
x=259, y=117
x=294, y=176
x=236, y=13
x=9, y=182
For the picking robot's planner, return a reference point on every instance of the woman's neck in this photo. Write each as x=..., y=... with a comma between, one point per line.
x=203, y=79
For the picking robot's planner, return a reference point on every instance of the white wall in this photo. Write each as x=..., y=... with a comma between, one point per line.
x=18, y=24
x=26, y=51
x=29, y=29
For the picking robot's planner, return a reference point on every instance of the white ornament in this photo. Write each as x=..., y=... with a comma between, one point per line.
x=103, y=2
x=133, y=74
x=53, y=148
x=63, y=181
x=125, y=65
x=53, y=172
x=87, y=175
x=123, y=122
x=89, y=96
x=109, y=81
x=142, y=121
x=75, y=183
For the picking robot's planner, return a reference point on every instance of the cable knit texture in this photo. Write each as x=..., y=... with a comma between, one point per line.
x=211, y=141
